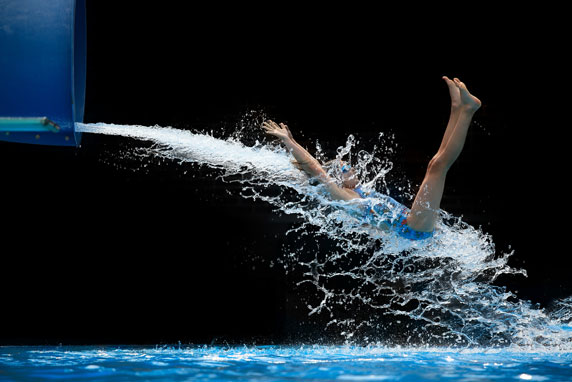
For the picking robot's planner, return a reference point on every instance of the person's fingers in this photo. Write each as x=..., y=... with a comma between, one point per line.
x=271, y=126
x=288, y=131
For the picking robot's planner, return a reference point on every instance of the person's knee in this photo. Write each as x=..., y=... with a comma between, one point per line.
x=438, y=165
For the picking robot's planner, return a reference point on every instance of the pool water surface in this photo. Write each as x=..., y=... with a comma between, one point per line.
x=275, y=363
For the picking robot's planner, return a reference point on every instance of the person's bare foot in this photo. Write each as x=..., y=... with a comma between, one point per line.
x=468, y=101
x=453, y=92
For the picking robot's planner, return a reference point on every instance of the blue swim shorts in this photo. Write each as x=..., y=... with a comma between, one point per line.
x=402, y=229
x=393, y=214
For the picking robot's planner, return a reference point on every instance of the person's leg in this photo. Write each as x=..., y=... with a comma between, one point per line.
x=455, y=108
x=425, y=208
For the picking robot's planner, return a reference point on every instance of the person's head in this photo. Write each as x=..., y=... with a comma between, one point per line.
x=343, y=172
x=349, y=176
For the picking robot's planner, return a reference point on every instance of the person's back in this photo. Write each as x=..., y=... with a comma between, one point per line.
x=387, y=213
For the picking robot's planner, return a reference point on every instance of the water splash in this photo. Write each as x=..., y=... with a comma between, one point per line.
x=370, y=286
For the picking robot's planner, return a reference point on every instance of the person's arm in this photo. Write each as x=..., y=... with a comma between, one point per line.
x=306, y=161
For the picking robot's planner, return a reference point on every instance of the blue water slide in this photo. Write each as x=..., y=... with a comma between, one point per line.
x=42, y=71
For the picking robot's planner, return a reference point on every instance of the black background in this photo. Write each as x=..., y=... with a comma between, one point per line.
x=96, y=250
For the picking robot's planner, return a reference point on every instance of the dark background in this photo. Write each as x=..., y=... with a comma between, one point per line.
x=99, y=250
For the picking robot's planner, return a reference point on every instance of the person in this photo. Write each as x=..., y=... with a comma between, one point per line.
x=419, y=221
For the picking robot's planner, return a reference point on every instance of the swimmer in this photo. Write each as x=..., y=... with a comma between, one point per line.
x=418, y=222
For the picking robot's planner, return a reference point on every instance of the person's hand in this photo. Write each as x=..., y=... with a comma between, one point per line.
x=281, y=131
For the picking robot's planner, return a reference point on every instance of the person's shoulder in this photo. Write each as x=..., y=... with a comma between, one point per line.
x=362, y=194
x=352, y=193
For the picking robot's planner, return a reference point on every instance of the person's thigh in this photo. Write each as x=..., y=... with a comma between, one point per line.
x=425, y=209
